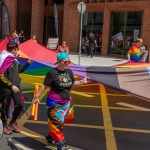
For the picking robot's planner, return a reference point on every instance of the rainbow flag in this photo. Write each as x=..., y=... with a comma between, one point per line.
x=129, y=77
x=6, y=59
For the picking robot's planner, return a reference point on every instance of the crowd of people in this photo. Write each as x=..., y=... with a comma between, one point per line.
x=20, y=38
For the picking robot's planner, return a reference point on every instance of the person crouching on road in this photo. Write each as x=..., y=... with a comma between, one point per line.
x=60, y=79
x=10, y=88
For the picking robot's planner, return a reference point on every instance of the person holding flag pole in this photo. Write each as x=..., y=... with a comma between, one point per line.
x=61, y=80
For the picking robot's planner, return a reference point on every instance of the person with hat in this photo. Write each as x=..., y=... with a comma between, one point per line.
x=10, y=85
x=60, y=79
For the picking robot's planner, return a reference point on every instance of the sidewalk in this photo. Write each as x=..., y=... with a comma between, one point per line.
x=97, y=60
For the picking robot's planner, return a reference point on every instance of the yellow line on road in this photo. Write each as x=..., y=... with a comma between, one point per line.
x=30, y=135
x=132, y=130
x=23, y=120
x=117, y=108
x=123, y=95
x=89, y=106
x=82, y=94
x=81, y=126
x=109, y=132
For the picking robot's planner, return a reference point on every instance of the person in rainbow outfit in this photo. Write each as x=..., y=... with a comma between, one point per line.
x=135, y=54
x=60, y=79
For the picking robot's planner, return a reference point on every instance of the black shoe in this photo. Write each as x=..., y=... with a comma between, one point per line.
x=65, y=148
x=91, y=56
x=50, y=140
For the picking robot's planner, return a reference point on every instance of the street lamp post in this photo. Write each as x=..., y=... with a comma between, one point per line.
x=81, y=9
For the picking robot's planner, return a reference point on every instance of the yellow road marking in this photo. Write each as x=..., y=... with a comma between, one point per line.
x=132, y=130
x=107, y=94
x=30, y=135
x=81, y=94
x=24, y=118
x=87, y=106
x=118, y=108
x=83, y=126
x=134, y=106
x=109, y=132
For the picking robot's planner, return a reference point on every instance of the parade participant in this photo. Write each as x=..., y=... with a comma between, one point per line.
x=10, y=85
x=61, y=80
x=63, y=48
x=135, y=54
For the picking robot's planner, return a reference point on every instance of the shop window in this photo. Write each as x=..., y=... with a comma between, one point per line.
x=124, y=29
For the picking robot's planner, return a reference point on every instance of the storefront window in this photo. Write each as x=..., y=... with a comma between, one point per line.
x=125, y=28
x=92, y=22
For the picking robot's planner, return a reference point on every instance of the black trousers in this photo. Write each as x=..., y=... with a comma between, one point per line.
x=5, y=98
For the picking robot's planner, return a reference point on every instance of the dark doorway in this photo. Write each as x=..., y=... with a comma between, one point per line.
x=24, y=10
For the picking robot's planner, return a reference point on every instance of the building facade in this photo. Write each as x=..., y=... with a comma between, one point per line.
x=115, y=23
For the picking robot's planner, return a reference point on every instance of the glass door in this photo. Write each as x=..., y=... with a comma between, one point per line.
x=125, y=28
x=93, y=22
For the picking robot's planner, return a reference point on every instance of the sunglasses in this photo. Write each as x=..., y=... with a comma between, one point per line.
x=66, y=62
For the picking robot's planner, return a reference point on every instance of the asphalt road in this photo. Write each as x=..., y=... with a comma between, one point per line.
x=105, y=119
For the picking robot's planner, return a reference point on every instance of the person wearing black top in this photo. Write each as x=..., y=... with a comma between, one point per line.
x=21, y=36
x=10, y=89
x=92, y=44
x=60, y=79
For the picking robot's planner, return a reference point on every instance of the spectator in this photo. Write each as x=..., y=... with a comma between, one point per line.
x=144, y=53
x=92, y=44
x=63, y=48
x=135, y=53
x=21, y=36
x=34, y=38
x=84, y=45
x=14, y=37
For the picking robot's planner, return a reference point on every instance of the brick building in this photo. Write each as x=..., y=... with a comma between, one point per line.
x=109, y=20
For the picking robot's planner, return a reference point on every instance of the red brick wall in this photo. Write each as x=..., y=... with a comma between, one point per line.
x=71, y=26
x=71, y=20
x=11, y=6
x=37, y=19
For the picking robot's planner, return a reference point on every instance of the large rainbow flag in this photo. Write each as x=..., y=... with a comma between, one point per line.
x=133, y=78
